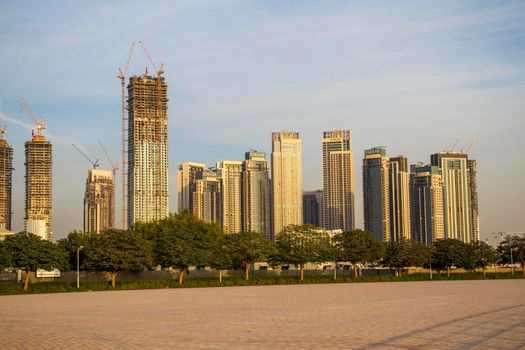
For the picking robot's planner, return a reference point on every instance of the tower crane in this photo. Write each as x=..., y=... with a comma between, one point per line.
x=472, y=143
x=458, y=138
x=40, y=124
x=3, y=131
x=95, y=164
x=122, y=77
x=114, y=168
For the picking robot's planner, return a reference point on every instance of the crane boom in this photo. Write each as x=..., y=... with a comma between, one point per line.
x=40, y=125
x=474, y=141
x=114, y=166
x=95, y=164
x=149, y=58
x=122, y=73
x=458, y=138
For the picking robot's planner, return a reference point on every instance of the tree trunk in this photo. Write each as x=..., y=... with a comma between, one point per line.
x=247, y=271
x=181, y=275
x=448, y=272
x=335, y=271
x=26, y=280
x=113, y=279
x=220, y=275
x=354, y=267
x=301, y=267
x=484, y=272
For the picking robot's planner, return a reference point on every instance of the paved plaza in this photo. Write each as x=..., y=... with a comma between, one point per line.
x=436, y=315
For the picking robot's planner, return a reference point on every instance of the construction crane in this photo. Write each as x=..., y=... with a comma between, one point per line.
x=458, y=138
x=122, y=77
x=40, y=124
x=474, y=141
x=95, y=164
x=114, y=168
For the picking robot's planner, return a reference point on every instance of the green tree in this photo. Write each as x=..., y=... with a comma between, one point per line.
x=248, y=247
x=29, y=253
x=517, y=244
x=221, y=258
x=405, y=253
x=448, y=253
x=359, y=246
x=114, y=251
x=485, y=255
x=183, y=240
x=71, y=243
x=5, y=256
x=300, y=244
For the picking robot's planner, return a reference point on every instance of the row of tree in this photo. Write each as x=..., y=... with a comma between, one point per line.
x=181, y=241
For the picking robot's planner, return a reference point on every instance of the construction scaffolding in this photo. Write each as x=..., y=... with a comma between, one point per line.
x=6, y=175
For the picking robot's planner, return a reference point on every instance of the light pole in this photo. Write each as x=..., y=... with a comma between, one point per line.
x=78, y=265
x=512, y=261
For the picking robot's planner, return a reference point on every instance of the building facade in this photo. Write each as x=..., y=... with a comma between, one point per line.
x=338, y=180
x=98, y=201
x=287, y=180
x=186, y=176
x=426, y=199
x=256, y=194
x=399, y=199
x=313, y=208
x=230, y=175
x=473, y=194
x=6, y=177
x=376, y=194
x=147, y=149
x=456, y=194
x=206, y=197
x=38, y=181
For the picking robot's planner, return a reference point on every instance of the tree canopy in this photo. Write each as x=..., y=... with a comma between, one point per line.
x=359, y=246
x=517, y=244
x=405, y=253
x=248, y=247
x=117, y=250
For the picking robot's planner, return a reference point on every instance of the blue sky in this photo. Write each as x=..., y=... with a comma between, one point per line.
x=408, y=75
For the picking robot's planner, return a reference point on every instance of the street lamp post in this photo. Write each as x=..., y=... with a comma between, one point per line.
x=78, y=265
x=512, y=261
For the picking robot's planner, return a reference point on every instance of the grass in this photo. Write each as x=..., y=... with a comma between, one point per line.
x=62, y=287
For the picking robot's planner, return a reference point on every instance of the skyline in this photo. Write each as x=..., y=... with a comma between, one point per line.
x=453, y=61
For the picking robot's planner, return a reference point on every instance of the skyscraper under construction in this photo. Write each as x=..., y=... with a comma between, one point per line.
x=6, y=171
x=147, y=148
x=38, y=199
x=98, y=201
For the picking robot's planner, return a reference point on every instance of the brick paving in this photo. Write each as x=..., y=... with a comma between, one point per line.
x=403, y=315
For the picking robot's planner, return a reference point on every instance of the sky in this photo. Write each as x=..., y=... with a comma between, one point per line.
x=408, y=75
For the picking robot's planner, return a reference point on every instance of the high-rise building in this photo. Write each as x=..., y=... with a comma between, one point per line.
x=206, y=197
x=98, y=201
x=426, y=201
x=399, y=199
x=456, y=195
x=338, y=180
x=230, y=175
x=186, y=176
x=376, y=198
x=313, y=208
x=473, y=193
x=256, y=194
x=6, y=174
x=147, y=149
x=287, y=180
x=38, y=196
